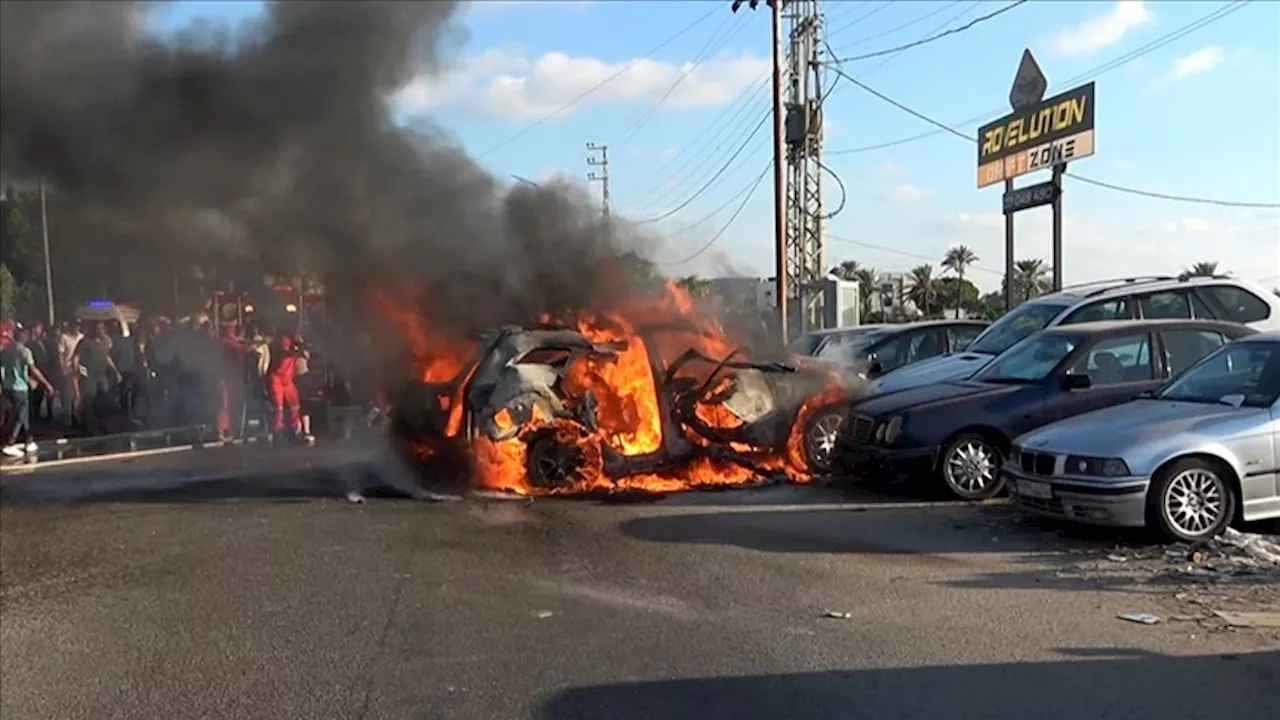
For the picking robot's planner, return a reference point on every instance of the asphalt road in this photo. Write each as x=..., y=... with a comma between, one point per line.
x=272, y=597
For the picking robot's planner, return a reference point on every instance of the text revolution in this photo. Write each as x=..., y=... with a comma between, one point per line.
x=1048, y=133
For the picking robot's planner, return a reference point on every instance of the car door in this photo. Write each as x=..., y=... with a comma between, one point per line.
x=1119, y=368
x=1184, y=347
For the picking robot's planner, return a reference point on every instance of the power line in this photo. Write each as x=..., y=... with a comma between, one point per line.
x=713, y=179
x=1118, y=188
x=706, y=51
x=860, y=18
x=713, y=213
x=904, y=253
x=716, y=238
x=933, y=38
x=903, y=26
x=528, y=128
x=1106, y=67
x=754, y=92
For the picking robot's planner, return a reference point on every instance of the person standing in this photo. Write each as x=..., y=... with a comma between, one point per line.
x=96, y=370
x=68, y=340
x=17, y=370
x=283, y=388
x=40, y=399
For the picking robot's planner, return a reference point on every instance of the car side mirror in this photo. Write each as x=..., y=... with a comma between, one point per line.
x=1146, y=394
x=1076, y=381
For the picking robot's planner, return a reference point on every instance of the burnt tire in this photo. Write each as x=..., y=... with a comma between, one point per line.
x=969, y=467
x=821, y=433
x=1190, y=500
x=560, y=458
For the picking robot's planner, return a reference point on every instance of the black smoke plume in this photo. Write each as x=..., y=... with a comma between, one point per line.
x=275, y=145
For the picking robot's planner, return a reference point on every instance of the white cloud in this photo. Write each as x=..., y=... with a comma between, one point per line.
x=504, y=83
x=890, y=167
x=908, y=193
x=1202, y=60
x=670, y=152
x=493, y=7
x=1104, y=30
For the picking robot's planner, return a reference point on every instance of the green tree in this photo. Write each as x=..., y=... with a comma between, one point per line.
x=8, y=293
x=991, y=306
x=1030, y=279
x=1201, y=269
x=957, y=260
x=922, y=289
x=959, y=294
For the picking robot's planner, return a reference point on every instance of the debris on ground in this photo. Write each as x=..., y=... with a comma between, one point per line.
x=1143, y=618
x=355, y=497
x=543, y=614
x=837, y=615
x=1263, y=548
x=1249, y=619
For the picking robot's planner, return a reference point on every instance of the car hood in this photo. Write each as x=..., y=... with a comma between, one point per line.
x=1111, y=431
x=889, y=403
x=957, y=366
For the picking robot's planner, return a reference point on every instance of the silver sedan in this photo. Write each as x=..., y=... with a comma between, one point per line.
x=1187, y=461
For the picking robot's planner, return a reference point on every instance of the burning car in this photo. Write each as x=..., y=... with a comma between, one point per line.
x=604, y=406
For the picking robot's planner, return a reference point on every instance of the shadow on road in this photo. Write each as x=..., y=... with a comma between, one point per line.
x=862, y=529
x=1123, y=686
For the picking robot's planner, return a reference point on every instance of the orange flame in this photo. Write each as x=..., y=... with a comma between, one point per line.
x=629, y=412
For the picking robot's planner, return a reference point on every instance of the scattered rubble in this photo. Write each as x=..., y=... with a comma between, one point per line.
x=1143, y=618
x=1249, y=619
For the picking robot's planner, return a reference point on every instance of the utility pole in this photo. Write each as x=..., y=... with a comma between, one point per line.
x=602, y=177
x=779, y=170
x=806, y=252
x=48, y=261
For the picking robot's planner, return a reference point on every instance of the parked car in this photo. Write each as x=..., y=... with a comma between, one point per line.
x=1185, y=461
x=1149, y=298
x=874, y=350
x=960, y=431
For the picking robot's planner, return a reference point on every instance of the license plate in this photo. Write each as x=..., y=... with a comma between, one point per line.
x=1040, y=491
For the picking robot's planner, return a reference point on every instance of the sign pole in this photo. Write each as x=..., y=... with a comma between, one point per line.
x=1009, y=301
x=1058, y=171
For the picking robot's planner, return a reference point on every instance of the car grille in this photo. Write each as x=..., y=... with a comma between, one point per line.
x=1034, y=463
x=859, y=428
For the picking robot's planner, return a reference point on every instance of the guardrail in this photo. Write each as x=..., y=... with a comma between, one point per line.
x=67, y=448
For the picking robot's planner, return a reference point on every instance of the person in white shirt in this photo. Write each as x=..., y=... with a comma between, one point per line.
x=68, y=340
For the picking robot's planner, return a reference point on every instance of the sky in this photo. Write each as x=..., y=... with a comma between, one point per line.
x=1198, y=115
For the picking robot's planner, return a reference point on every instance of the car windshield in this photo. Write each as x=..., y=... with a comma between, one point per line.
x=848, y=345
x=1016, y=326
x=1031, y=360
x=1249, y=370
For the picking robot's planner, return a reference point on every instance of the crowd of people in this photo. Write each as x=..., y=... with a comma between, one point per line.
x=100, y=377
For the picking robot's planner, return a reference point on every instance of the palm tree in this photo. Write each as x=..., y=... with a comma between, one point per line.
x=866, y=278
x=922, y=291
x=957, y=260
x=1030, y=278
x=847, y=270
x=1201, y=269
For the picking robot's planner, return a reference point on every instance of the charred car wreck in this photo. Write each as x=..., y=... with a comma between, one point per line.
x=523, y=384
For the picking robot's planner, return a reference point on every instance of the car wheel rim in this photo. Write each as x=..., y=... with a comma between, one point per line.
x=1194, y=502
x=971, y=466
x=822, y=439
x=557, y=465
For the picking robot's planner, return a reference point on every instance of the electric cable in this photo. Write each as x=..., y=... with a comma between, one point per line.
x=860, y=18
x=752, y=94
x=529, y=128
x=1099, y=183
x=707, y=51
x=716, y=238
x=898, y=28
x=713, y=213
x=713, y=179
x=1106, y=67
x=844, y=194
x=933, y=38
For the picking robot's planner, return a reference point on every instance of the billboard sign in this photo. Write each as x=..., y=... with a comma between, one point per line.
x=1051, y=132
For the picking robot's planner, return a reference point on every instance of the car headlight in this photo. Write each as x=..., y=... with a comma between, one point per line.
x=1096, y=467
x=893, y=430
x=879, y=436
